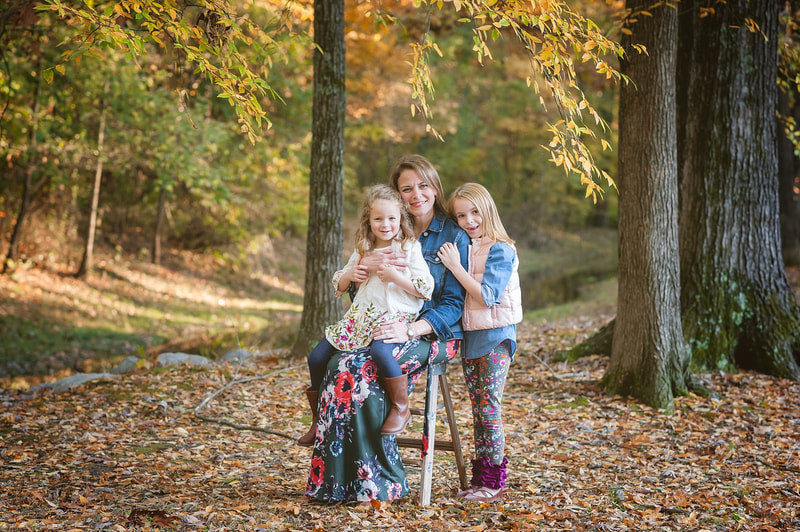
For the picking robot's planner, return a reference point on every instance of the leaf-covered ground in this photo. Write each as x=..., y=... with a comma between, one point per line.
x=130, y=454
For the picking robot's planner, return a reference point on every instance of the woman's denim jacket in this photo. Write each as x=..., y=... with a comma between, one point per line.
x=444, y=309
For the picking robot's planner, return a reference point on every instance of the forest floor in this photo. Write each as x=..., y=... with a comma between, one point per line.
x=130, y=452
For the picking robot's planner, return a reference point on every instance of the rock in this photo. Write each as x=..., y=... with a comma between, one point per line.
x=126, y=366
x=168, y=359
x=76, y=380
x=237, y=355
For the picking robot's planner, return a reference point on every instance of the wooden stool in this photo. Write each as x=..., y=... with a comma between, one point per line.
x=432, y=387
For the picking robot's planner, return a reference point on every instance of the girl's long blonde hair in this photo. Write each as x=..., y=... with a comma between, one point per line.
x=426, y=171
x=365, y=239
x=492, y=225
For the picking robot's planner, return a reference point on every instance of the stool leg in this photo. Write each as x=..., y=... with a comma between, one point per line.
x=426, y=473
x=454, y=437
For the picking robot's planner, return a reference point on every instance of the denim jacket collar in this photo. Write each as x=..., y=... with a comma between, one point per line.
x=437, y=223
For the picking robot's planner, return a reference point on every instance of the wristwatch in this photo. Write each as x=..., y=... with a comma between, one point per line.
x=410, y=332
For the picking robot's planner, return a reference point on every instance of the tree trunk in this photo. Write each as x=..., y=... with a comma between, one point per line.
x=324, y=244
x=162, y=207
x=788, y=182
x=88, y=256
x=648, y=356
x=738, y=308
x=27, y=186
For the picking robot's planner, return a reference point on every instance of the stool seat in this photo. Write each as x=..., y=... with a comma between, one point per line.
x=427, y=443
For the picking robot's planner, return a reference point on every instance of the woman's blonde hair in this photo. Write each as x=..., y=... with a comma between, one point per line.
x=480, y=197
x=426, y=172
x=365, y=239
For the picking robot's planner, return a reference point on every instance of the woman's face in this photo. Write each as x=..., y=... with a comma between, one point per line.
x=416, y=193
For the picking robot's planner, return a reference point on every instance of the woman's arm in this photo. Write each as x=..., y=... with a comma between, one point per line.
x=444, y=314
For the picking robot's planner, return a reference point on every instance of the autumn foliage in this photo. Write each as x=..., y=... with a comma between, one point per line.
x=130, y=454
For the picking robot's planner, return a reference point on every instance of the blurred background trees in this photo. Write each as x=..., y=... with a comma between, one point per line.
x=179, y=174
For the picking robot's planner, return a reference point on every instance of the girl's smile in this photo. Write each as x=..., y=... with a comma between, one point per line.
x=468, y=217
x=384, y=221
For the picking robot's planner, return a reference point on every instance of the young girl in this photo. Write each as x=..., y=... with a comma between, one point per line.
x=389, y=294
x=492, y=310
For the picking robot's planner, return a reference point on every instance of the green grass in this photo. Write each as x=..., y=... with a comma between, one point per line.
x=569, y=274
x=594, y=298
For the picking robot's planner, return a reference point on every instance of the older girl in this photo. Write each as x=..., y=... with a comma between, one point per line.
x=492, y=309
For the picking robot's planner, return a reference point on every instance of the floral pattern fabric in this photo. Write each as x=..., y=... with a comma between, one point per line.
x=377, y=302
x=356, y=328
x=351, y=460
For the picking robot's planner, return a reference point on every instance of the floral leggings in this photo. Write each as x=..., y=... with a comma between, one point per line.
x=486, y=378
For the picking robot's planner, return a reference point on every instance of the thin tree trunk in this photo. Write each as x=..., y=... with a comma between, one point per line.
x=738, y=308
x=324, y=244
x=27, y=186
x=162, y=207
x=88, y=256
x=648, y=356
x=788, y=182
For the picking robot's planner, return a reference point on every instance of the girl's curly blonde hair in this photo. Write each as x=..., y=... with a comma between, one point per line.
x=365, y=240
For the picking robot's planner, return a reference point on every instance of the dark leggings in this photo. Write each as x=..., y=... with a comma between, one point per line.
x=380, y=352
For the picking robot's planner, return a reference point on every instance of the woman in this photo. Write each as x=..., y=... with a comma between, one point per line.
x=351, y=460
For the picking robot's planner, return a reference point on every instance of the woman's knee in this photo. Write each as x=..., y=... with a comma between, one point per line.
x=320, y=354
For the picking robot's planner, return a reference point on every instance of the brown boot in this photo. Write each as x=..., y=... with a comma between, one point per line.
x=399, y=414
x=307, y=439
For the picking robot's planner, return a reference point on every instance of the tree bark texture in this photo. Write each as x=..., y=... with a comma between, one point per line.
x=324, y=244
x=738, y=308
x=648, y=356
x=87, y=263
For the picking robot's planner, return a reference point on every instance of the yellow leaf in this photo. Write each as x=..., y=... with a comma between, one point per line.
x=61, y=69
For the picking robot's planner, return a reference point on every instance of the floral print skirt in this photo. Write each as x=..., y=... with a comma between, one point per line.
x=351, y=460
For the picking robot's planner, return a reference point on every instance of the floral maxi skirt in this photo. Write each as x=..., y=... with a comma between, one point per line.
x=351, y=460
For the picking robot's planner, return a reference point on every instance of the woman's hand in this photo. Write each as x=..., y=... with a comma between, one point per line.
x=392, y=332
x=374, y=259
x=449, y=256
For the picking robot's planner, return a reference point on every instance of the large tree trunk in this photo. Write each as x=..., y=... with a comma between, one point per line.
x=27, y=186
x=738, y=308
x=88, y=255
x=648, y=356
x=324, y=244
